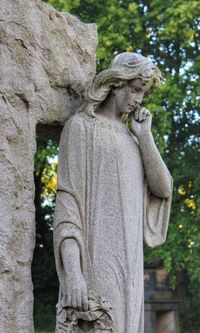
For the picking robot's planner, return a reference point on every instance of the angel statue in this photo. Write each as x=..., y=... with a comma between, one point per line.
x=113, y=194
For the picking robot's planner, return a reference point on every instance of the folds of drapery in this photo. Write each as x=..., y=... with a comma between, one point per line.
x=156, y=217
x=69, y=215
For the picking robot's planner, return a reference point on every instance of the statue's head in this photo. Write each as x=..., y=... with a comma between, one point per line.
x=127, y=70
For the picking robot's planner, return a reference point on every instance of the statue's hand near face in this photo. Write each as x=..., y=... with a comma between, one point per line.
x=141, y=120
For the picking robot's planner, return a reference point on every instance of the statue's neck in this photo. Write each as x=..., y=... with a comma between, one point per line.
x=109, y=110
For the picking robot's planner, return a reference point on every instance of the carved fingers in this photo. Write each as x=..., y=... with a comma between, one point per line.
x=77, y=296
x=84, y=301
x=74, y=297
x=78, y=300
x=141, y=121
x=141, y=114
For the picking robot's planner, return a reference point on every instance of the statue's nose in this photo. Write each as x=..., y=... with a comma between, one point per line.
x=139, y=98
x=138, y=101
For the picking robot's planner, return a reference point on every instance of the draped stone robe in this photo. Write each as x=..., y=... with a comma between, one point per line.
x=104, y=203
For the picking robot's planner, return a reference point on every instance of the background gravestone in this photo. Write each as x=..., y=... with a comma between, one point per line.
x=46, y=61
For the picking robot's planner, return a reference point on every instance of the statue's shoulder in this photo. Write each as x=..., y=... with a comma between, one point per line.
x=75, y=124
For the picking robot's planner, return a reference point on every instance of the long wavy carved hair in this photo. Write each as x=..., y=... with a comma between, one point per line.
x=124, y=67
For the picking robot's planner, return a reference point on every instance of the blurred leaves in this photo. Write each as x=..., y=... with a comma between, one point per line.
x=43, y=267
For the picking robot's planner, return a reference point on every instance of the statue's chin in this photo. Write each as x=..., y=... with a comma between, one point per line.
x=127, y=111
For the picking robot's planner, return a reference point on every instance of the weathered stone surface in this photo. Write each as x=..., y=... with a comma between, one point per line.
x=46, y=61
x=114, y=192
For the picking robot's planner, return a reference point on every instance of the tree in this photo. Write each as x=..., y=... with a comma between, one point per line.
x=168, y=33
x=43, y=267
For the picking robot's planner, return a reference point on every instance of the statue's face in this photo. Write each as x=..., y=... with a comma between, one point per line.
x=130, y=96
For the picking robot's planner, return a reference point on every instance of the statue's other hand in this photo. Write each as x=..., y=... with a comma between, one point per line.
x=141, y=120
x=76, y=293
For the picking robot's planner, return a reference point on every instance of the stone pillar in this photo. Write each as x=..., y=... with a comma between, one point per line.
x=150, y=319
x=161, y=304
x=47, y=60
x=167, y=322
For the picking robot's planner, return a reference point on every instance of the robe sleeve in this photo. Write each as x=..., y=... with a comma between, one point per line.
x=156, y=218
x=69, y=215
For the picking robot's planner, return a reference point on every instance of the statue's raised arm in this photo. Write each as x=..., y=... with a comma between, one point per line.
x=114, y=192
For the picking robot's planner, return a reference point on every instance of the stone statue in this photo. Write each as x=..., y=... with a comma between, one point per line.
x=114, y=192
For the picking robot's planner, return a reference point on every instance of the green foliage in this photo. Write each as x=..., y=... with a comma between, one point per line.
x=43, y=267
x=167, y=32
x=61, y=5
x=44, y=331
